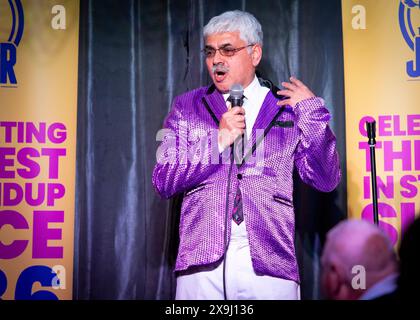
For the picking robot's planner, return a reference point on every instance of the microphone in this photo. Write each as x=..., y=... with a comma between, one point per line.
x=236, y=95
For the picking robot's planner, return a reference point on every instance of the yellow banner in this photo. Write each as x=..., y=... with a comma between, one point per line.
x=38, y=111
x=382, y=83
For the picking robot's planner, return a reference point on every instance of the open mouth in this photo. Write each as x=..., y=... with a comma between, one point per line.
x=220, y=72
x=220, y=75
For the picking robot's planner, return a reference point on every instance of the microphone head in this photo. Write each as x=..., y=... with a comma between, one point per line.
x=371, y=132
x=236, y=91
x=371, y=129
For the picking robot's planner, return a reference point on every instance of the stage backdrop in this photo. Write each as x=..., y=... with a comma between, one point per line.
x=382, y=83
x=38, y=108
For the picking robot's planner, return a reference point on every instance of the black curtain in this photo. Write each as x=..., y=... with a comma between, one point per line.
x=134, y=57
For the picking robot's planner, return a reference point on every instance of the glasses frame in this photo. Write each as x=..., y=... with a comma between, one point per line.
x=234, y=50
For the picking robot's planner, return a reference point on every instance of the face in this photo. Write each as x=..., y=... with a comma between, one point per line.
x=239, y=68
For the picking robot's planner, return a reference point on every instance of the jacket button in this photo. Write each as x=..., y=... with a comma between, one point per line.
x=239, y=175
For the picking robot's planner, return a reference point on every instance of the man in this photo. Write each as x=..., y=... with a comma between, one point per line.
x=245, y=206
x=358, y=262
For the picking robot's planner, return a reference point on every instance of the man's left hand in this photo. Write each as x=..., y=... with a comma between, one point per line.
x=296, y=91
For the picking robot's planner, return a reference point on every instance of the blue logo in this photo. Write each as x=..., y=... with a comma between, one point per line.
x=411, y=36
x=8, y=49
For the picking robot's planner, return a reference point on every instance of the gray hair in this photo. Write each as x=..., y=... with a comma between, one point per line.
x=230, y=21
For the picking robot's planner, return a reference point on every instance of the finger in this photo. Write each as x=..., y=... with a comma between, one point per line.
x=240, y=125
x=237, y=132
x=297, y=82
x=284, y=102
x=239, y=121
x=289, y=86
x=238, y=110
x=286, y=93
x=228, y=105
x=239, y=118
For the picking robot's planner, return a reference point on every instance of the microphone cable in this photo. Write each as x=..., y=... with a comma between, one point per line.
x=225, y=238
x=273, y=89
x=236, y=98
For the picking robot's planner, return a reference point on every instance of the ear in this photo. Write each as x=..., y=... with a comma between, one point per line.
x=256, y=55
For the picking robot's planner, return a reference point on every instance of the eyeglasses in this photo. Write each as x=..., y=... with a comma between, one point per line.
x=226, y=50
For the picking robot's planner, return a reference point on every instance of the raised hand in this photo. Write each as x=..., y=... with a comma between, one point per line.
x=296, y=91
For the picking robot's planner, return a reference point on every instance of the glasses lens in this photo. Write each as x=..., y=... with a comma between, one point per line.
x=209, y=52
x=227, y=51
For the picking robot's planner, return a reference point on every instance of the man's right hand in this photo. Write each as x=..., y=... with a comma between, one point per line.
x=231, y=126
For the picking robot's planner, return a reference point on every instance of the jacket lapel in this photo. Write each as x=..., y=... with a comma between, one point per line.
x=268, y=111
x=214, y=100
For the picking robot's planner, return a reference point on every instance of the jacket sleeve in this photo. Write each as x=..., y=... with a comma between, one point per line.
x=316, y=157
x=185, y=157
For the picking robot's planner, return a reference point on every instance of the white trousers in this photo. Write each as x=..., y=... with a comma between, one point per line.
x=241, y=281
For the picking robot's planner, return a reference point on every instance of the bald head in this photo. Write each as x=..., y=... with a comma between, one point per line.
x=355, y=243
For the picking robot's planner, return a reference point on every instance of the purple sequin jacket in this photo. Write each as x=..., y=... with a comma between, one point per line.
x=188, y=162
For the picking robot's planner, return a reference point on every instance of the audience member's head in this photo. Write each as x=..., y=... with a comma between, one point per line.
x=409, y=252
x=357, y=255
